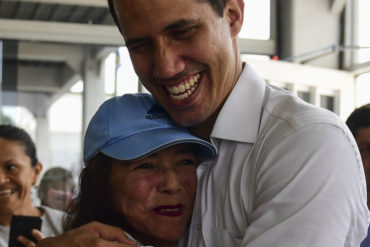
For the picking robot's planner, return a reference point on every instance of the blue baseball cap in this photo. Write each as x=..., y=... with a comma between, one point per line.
x=133, y=126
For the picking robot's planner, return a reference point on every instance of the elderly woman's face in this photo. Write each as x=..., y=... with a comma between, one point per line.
x=155, y=195
x=17, y=176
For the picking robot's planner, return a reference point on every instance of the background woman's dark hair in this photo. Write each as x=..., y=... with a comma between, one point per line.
x=217, y=5
x=93, y=202
x=359, y=118
x=10, y=132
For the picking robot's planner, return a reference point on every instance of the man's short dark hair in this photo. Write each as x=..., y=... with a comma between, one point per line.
x=217, y=5
x=360, y=117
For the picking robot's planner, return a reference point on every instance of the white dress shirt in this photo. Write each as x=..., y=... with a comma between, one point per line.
x=288, y=174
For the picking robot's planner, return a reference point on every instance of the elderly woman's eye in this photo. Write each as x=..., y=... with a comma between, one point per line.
x=144, y=166
x=188, y=162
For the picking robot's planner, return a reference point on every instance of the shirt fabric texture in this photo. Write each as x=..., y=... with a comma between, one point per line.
x=287, y=174
x=51, y=225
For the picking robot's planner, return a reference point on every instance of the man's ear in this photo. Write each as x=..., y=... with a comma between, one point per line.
x=234, y=12
x=37, y=169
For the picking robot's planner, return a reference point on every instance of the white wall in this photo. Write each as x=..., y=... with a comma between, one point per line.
x=308, y=26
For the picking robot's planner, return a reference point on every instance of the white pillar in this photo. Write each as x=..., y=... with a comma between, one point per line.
x=42, y=140
x=94, y=88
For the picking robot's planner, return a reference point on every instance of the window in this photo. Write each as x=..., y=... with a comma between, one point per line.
x=257, y=34
x=306, y=96
x=327, y=102
x=256, y=20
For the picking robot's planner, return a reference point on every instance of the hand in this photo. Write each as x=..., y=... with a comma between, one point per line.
x=29, y=243
x=94, y=234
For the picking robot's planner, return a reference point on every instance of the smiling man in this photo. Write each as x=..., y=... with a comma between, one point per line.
x=287, y=173
x=179, y=50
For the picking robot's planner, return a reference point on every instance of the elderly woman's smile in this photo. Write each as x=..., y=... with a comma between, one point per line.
x=169, y=210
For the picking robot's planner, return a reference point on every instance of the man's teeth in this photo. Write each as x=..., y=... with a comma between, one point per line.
x=183, y=90
x=5, y=192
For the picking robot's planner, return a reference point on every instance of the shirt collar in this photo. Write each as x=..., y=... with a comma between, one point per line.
x=239, y=118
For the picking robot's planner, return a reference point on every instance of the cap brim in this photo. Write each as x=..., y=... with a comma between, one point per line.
x=148, y=142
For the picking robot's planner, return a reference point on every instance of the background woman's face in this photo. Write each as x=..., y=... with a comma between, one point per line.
x=155, y=195
x=17, y=176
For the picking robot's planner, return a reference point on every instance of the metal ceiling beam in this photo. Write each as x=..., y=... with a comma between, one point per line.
x=60, y=32
x=49, y=52
x=104, y=35
x=90, y=3
x=360, y=69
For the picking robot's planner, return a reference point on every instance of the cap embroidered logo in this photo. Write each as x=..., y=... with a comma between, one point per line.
x=156, y=112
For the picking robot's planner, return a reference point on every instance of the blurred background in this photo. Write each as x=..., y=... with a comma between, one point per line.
x=60, y=59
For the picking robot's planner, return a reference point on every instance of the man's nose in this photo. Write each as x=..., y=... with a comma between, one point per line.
x=167, y=61
x=3, y=177
x=170, y=182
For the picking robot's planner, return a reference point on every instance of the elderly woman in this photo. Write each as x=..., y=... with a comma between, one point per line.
x=140, y=176
x=19, y=172
x=56, y=188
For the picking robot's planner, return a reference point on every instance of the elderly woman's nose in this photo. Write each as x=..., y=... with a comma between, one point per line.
x=170, y=182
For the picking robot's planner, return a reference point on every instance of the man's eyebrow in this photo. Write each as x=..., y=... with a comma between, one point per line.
x=179, y=23
x=133, y=41
x=172, y=26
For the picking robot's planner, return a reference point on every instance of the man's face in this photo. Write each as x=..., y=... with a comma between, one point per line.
x=363, y=142
x=184, y=53
x=155, y=195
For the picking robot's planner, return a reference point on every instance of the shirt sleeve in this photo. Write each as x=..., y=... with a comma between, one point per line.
x=309, y=191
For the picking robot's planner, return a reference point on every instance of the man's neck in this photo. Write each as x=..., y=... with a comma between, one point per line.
x=204, y=129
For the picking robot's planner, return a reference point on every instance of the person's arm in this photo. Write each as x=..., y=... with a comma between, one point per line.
x=309, y=192
x=94, y=234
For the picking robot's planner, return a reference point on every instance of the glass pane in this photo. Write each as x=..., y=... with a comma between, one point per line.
x=256, y=20
x=364, y=34
x=306, y=96
x=65, y=124
x=127, y=80
x=327, y=102
x=78, y=87
x=110, y=63
x=363, y=89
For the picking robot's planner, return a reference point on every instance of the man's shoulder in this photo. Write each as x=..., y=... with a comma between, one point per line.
x=284, y=109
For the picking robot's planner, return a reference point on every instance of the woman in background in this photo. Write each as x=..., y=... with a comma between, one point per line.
x=56, y=188
x=19, y=172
